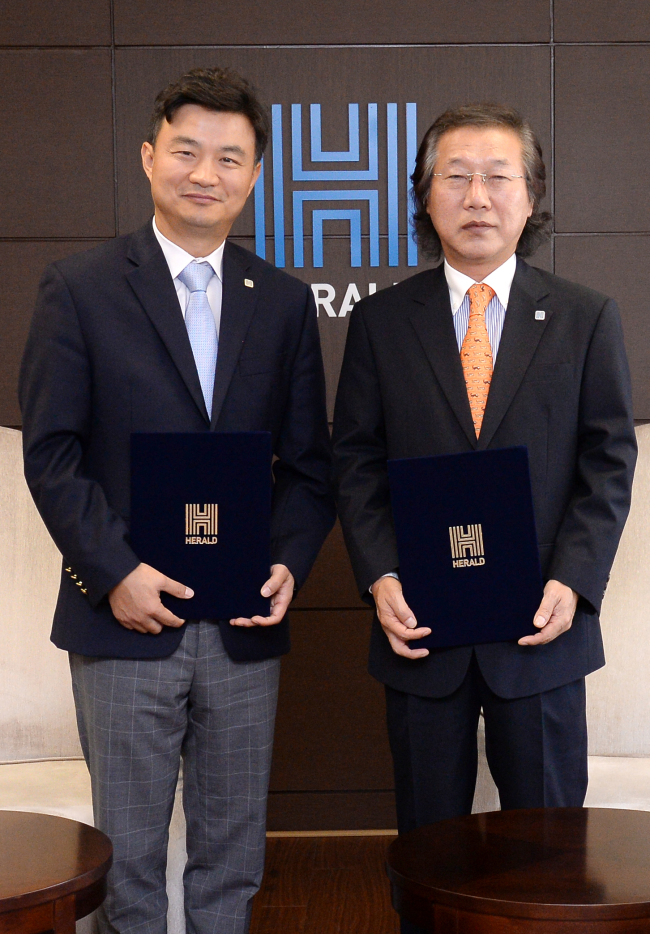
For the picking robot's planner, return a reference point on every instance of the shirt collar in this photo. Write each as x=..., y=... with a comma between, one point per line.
x=500, y=280
x=178, y=258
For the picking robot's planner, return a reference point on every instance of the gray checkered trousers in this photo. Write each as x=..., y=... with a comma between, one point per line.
x=137, y=718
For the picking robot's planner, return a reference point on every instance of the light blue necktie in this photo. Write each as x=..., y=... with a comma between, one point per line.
x=200, y=325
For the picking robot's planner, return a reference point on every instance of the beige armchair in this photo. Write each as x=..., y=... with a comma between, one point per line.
x=41, y=766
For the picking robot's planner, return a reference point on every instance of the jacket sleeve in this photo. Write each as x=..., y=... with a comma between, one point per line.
x=55, y=391
x=303, y=504
x=360, y=461
x=606, y=454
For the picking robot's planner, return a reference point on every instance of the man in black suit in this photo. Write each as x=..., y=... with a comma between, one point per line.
x=553, y=375
x=175, y=329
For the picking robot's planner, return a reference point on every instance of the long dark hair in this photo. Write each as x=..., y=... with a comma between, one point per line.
x=539, y=224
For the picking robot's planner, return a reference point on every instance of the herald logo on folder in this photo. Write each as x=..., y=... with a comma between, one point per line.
x=467, y=542
x=201, y=523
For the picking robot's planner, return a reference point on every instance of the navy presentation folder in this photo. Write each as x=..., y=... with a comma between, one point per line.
x=467, y=545
x=201, y=514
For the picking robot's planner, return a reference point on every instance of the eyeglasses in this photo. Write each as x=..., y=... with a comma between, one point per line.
x=494, y=183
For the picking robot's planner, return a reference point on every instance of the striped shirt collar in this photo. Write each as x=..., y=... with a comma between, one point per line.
x=500, y=280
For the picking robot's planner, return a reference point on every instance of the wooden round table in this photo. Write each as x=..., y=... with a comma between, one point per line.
x=52, y=872
x=539, y=871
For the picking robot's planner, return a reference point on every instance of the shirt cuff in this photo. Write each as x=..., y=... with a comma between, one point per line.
x=389, y=574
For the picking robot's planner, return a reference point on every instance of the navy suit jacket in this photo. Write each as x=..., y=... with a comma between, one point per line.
x=560, y=386
x=108, y=354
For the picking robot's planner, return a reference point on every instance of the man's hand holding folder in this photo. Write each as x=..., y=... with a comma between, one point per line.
x=397, y=619
x=136, y=602
x=554, y=616
x=279, y=587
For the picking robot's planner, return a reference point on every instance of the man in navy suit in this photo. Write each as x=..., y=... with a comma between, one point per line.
x=553, y=375
x=175, y=329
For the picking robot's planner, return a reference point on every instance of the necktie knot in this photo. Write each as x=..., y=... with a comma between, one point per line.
x=480, y=296
x=196, y=276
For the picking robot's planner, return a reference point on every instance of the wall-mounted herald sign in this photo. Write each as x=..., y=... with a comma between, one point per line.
x=321, y=205
x=348, y=208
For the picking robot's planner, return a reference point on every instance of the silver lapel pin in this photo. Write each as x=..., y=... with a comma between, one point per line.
x=248, y=283
x=540, y=315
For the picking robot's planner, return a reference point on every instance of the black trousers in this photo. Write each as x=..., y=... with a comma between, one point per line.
x=536, y=749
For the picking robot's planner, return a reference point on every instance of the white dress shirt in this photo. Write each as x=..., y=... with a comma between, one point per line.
x=501, y=281
x=177, y=259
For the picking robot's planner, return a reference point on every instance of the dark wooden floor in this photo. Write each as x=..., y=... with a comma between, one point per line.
x=325, y=885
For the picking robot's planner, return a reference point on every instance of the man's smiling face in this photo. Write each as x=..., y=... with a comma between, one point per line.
x=479, y=228
x=201, y=168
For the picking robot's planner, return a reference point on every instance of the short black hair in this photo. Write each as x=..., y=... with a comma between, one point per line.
x=486, y=114
x=219, y=89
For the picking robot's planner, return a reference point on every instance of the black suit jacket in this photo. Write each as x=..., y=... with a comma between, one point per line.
x=108, y=354
x=560, y=386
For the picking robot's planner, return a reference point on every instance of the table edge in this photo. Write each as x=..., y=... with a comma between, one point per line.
x=74, y=886
x=541, y=911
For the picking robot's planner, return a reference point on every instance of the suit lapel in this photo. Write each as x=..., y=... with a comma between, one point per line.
x=153, y=285
x=237, y=306
x=521, y=335
x=432, y=320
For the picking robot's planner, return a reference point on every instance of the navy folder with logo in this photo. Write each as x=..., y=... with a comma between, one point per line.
x=467, y=545
x=201, y=514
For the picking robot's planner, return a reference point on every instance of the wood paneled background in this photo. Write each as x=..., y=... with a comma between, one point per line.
x=78, y=80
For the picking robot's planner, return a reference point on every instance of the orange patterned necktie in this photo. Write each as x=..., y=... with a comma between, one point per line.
x=476, y=353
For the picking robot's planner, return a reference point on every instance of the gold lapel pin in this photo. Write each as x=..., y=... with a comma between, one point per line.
x=540, y=315
x=249, y=283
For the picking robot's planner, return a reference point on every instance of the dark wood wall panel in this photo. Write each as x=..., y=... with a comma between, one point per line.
x=56, y=148
x=618, y=266
x=338, y=810
x=331, y=582
x=602, y=21
x=21, y=266
x=65, y=22
x=330, y=711
x=193, y=22
x=602, y=138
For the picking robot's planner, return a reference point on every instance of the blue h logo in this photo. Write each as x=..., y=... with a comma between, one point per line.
x=304, y=198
